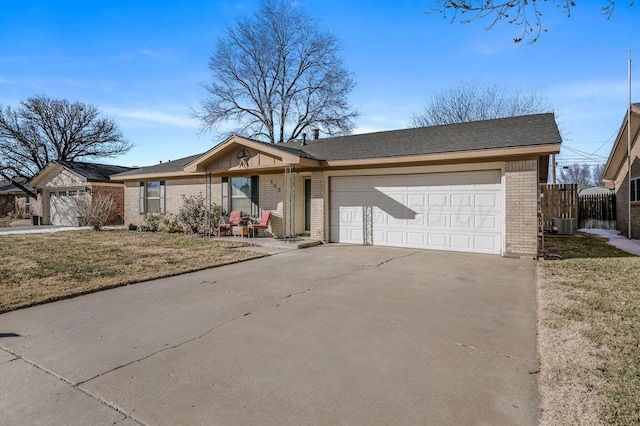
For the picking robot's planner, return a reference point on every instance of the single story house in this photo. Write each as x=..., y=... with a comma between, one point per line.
x=469, y=187
x=16, y=197
x=62, y=183
x=617, y=171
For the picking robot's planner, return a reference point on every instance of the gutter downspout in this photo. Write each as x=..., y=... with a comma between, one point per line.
x=629, y=143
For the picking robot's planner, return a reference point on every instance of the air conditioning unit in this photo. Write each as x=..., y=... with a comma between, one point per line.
x=563, y=226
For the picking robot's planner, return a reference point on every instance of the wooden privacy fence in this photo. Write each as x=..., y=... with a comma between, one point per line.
x=597, y=211
x=557, y=201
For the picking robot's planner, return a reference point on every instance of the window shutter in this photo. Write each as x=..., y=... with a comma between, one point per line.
x=162, y=196
x=141, y=197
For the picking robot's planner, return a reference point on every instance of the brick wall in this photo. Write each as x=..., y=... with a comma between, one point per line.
x=174, y=190
x=521, y=207
x=317, y=206
x=622, y=197
x=271, y=189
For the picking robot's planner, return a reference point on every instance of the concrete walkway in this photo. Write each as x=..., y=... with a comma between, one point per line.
x=616, y=240
x=329, y=335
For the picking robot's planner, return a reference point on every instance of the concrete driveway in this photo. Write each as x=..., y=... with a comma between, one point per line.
x=328, y=335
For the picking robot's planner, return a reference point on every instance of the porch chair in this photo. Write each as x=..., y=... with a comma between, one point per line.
x=234, y=220
x=264, y=223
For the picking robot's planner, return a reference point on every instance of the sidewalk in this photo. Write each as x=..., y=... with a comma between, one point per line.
x=616, y=240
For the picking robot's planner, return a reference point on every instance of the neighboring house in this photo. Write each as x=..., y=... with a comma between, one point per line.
x=8, y=194
x=62, y=183
x=593, y=190
x=469, y=187
x=15, y=200
x=616, y=170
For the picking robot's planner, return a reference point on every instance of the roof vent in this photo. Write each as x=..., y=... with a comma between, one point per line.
x=304, y=139
x=315, y=134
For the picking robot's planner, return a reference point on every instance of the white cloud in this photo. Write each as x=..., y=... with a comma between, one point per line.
x=5, y=81
x=152, y=116
x=154, y=54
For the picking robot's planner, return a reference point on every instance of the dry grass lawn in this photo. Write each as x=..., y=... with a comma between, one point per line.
x=589, y=334
x=39, y=268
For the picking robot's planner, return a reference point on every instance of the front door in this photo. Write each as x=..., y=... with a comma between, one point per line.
x=307, y=205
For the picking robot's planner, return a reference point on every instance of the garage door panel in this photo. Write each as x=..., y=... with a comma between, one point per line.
x=449, y=211
x=485, y=223
x=438, y=200
x=487, y=243
x=461, y=221
x=461, y=200
x=460, y=241
x=395, y=238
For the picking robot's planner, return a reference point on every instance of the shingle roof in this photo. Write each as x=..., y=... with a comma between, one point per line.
x=93, y=172
x=528, y=130
x=168, y=167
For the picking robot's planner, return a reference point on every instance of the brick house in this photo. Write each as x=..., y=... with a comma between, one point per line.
x=469, y=187
x=616, y=171
x=62, y=183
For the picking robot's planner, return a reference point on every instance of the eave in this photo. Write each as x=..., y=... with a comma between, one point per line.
x=445, y=157
x=618, y=153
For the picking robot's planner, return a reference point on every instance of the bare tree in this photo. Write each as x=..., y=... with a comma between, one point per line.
x=43, y=129
x=523, y=13
x=472, y=101
x=597, y=170
x=277, y=74
x=94, y=209
x=577, y=173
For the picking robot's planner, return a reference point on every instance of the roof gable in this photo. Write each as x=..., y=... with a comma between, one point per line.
x=81, y=171
x=237, y=153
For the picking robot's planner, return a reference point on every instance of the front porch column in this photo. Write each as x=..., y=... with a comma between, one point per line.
x=318, y=206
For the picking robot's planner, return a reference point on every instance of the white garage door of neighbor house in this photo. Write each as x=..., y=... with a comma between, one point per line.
x=63, y=208
x=459, y=211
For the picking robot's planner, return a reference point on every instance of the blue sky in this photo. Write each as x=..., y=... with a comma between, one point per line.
x=142, y=63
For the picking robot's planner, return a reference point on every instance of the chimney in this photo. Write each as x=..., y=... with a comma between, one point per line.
x=315, y=134
x=304, y=139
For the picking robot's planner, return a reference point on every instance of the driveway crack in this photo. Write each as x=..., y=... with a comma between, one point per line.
x=396, y=258
x=168, y=348
x=72, y=385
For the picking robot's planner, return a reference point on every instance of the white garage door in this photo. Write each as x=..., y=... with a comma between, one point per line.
x=63, y=208
x=444, y=211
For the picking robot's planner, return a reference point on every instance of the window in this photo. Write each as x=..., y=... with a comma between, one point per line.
x=62, y=193
x=225, y=195
x=240, y=193
x=152, y=197
x=27, y=204
x=73, y=193
x=635, y=189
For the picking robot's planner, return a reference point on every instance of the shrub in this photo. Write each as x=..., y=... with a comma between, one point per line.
x=151, y=223
x=193, y=214
x=95, y=209
x=168, y=223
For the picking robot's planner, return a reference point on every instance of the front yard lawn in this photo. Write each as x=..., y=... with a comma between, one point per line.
x=5, y=221
x=39, y=268
x=589, y=333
